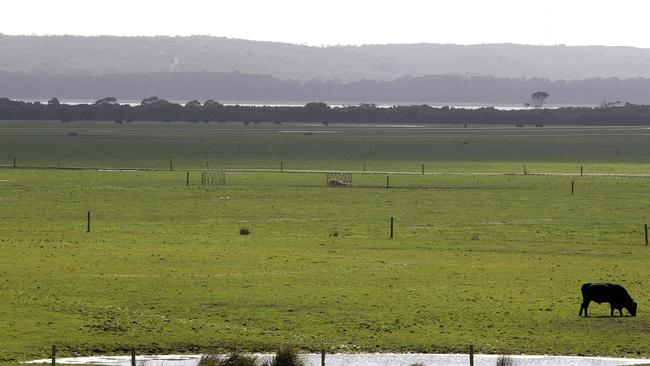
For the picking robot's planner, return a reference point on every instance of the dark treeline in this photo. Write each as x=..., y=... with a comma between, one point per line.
x=155, y=109
x=235, y=86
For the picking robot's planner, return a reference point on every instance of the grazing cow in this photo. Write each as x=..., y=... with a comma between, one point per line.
x=614, y=294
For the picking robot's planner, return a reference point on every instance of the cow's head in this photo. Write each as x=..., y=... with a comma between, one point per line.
x=632, y=308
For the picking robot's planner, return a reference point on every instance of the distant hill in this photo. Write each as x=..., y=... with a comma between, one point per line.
x=74, y=55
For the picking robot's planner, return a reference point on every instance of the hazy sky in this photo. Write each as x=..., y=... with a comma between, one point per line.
x=572, y=22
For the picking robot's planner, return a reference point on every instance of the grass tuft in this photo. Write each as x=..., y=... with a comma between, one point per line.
x=504, y=361
x=286, y=356
x=210, y=360
x=234, y=359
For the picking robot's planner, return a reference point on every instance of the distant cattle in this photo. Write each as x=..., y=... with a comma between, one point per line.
x=614, y=294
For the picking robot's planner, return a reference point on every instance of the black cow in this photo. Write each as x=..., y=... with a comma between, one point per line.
x=614, y=294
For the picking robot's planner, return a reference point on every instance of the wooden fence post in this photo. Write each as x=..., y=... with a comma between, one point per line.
x=422, y=169
x=573, y=183
x=471, y=355
x=187, y=179
x=53, y=354
x=645, y=229
x=391, y=227
x=171, y=165
x=88, y=225
x=387, y=182
x=581, y=170
x=525, y=172
x=364, y=167
x=14, y=161
x=281, y=166
x=322, y=358
x=133, y=357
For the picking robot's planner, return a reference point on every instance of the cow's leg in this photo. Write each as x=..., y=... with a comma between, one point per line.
x=584, y=305
x=620, y=311
x=611, y=310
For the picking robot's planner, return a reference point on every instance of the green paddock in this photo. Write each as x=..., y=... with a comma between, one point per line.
x=492, y=260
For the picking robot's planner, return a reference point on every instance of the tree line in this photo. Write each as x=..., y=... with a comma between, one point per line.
x=157, y=109
x=235, y=86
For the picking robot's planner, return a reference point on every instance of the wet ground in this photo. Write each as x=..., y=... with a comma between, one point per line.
x=367, y=359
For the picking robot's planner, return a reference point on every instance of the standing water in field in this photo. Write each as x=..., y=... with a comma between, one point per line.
x=366, y=359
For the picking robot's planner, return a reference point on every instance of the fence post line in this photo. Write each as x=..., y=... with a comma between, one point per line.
x=187, y=179
x=422, y=169
x=573, y=183
x=391, y=227
x=133, y=357
x=322, y=358
x=281, y=166
x=171, y=165
x=53, y=354
x=645, y=229
x=88, y=224
x=387, y=181
x=471, y=355
x=525, y=172
x=581, y=170
x=14, y=161
x=364, y=167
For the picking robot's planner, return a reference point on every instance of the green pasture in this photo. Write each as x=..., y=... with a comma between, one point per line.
x=442, y=148
x=493, y=261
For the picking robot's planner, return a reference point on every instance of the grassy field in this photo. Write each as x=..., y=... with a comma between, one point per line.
x=494, y=261
x=345, y=147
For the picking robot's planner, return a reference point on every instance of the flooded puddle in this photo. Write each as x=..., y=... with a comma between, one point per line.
x=366, y=359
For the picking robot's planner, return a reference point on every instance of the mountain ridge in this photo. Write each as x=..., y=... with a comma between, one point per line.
x=97, y=55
